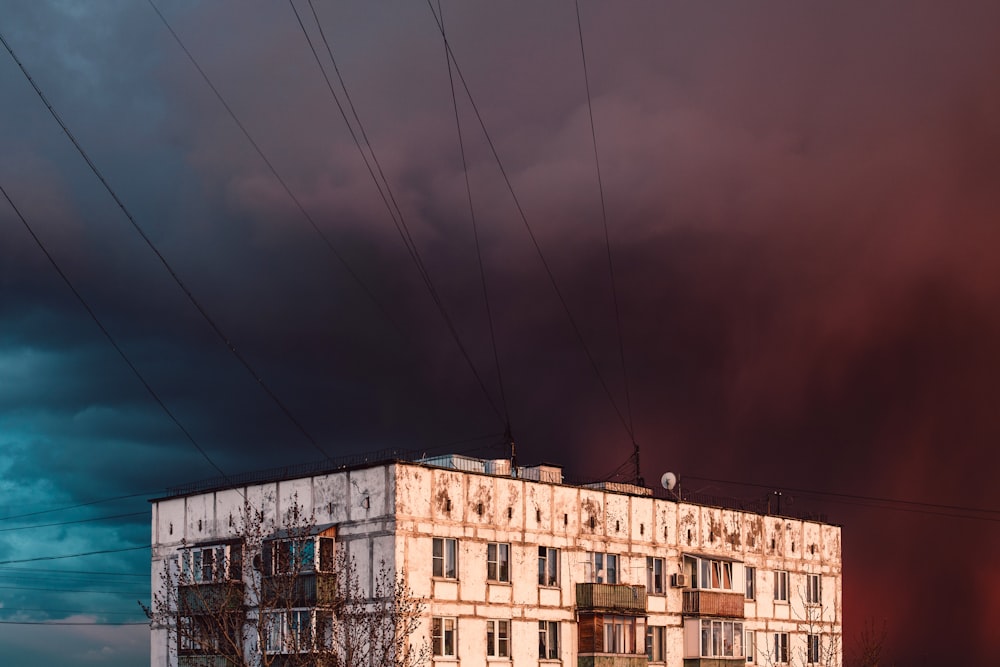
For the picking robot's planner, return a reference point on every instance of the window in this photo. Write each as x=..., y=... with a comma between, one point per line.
x=294, y=556
x=709, y=573
x=220, y=562
x=294, y=630
x=443, y=636
x=751, y=590
x=812, y=648
x=654, y=575
x=498, y=562
x=781, y=586
x=656, y=643
x=603, y=568
x=445, y=558
x=624, y=634
x=813, y=589
x=548, y=640
x=748, y=645
x=721, y=639
x=548, y=566
x=781, y=648
x=498, y=639
x=198, y=634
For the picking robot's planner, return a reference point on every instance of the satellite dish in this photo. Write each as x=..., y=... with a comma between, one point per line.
x=669, y=481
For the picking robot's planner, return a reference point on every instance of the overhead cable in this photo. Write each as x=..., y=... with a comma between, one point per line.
x=475, y=229
x=226, y=340
x=531, y=234
x=385, y=192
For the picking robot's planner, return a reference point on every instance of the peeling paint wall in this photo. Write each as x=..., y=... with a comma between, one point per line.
x=391, y=514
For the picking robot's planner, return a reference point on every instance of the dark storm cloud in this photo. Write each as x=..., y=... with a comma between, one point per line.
x=801, y=205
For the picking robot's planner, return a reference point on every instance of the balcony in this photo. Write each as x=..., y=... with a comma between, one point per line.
x=714, y=662
x=612, y=660
x=613, y=597
x=713, y=603
x=211, y=597
x=312, y=589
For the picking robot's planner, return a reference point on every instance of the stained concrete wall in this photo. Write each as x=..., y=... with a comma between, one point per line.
x=391, y=513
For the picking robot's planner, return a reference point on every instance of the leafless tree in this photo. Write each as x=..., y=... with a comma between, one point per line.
x=823, y=646
x=869, y=645
x=279, y=593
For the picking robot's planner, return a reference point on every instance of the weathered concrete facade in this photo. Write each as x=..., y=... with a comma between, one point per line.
x=499, y=559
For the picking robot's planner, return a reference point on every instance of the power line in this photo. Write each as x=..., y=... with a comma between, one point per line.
x=19, y=610
x=50, y=570
x=531, y=234
x=274, y=172
x=70, y=590
x=163, y=261
x=475, y=229
x=110, y=623
x=66, y=523
x=73, y=507
x=100, y=325
x=388, y=199
x=894, y=504
x=76, y=555
x=607, y=245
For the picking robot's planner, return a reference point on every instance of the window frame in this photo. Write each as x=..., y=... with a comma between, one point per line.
x=548, y=567
x=548, y=640
x=656, y=643
x=749, y=645
x=602, y=561
x=498, y=565
x=780, y=648
x=498, y=638
x=781, y=586
x=750, y=588
x=813, y=649
x=624, y=632
x=224, y=564
x=445, y=565
x=814, y=589
x=282, y=625
x=441, y=636
x=712, y=574
x=713, y=637
x=652, y=586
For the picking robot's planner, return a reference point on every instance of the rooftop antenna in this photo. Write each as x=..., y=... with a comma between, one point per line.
x=639, y=481
x=513, y=451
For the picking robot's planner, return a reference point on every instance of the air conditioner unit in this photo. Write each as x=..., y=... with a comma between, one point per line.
x=678, y=580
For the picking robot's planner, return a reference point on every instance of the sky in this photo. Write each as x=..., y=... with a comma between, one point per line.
x=800, y=210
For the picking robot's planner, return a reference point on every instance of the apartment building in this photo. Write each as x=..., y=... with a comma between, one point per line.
x=524, y=569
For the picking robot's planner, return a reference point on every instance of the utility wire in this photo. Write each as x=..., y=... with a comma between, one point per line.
x=531, y=233
x=111, y=339
x=112, y=623
x=71, y=590
x=607, y=245
x=66, y=523
x=51, y=570
x=76, y=555
x=166, y=265
x=18, y=610
x=274, y=172
x=385, y=192
x=849, y=496
x=475, y=228
x=86, y=504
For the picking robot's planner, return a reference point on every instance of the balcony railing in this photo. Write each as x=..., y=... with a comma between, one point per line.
x=613, y=597
x=713, y=603
x=211, y=597
x=312, y=589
